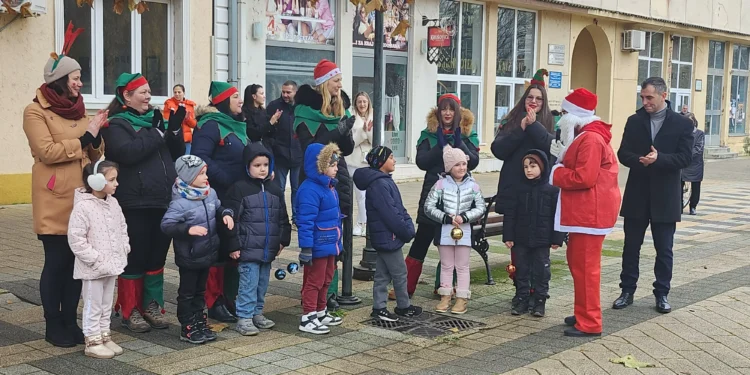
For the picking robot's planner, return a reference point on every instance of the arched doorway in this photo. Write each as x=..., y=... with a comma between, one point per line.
x=591, y=66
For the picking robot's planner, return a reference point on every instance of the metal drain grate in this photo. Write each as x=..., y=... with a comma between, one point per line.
x=426, y=325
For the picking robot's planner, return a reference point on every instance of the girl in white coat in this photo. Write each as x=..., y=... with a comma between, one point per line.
x=362, y=135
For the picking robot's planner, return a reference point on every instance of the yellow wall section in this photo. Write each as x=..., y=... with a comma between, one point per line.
x=15, y=188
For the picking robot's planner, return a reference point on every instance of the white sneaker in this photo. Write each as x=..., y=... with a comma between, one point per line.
x=329, y=320
x=357, y=230
x=309, y=323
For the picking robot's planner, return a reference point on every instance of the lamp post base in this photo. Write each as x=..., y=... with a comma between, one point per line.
x=348, y=300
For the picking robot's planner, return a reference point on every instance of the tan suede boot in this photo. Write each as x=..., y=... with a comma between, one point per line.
x=444, y=305
x=460, y=306
x=95, y=348
x=107, y=339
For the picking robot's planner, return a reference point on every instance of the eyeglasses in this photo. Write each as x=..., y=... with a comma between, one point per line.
x=535, y=98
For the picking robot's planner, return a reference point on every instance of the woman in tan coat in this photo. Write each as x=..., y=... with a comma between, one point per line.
x=62, y=142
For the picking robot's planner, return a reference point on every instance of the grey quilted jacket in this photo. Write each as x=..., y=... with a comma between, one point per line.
x=448, y=197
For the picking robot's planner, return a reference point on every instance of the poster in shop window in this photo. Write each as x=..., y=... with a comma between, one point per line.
x=364, y=25
x=300, y=21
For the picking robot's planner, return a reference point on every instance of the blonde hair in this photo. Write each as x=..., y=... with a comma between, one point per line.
x=369, y=105
x=332, y=105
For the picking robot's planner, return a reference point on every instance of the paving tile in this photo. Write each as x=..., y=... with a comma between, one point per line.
x=246, y=363
x=219, y=369
x=269, y=370
x=18, y=370
x=293, y=363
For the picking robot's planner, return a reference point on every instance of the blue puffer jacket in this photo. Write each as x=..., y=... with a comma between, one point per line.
x=193, y=252
x=389, y=224
x=261, y=221
x=318, y=213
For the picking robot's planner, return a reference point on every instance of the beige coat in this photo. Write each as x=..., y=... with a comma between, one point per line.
x=98, y=236
x=58, y=164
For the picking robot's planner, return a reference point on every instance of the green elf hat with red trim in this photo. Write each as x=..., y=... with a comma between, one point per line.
x=538, y=78
x=220, y=91
x=128, y=82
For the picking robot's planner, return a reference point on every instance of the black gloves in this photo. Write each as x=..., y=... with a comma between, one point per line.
x=346, y=125
x=158, y=122
x=176, y=118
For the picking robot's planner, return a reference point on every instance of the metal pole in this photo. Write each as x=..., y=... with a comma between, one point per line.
x=366, y=269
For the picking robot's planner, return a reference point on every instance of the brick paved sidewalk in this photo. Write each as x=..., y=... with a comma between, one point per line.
x=708, y=332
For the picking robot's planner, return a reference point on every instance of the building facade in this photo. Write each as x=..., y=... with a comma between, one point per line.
x=700, y=47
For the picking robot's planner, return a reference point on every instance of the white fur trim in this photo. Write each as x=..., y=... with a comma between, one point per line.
x=575, y=110
x=320, y=80
x=572, y=229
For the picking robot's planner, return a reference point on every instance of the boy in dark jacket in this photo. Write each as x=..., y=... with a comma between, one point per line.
x=262, y=231
x=390, y=228
x=529, y=232
x=191, y=221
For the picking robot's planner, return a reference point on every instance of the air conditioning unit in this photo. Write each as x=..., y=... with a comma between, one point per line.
x=633, y=40
x=27, y=8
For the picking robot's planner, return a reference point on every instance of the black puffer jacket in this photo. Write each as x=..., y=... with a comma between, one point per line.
x=146, y=161
x=529, y=219
x=259, y=128
x=261, y=221
x=430, y=159
x=306, y=95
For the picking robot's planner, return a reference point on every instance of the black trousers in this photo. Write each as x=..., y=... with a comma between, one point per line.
x=695, y=193
x=148, y=244
x=423, y=239
x=532, y=263
x=191, y=293
x=59, y=291
x=663, y=235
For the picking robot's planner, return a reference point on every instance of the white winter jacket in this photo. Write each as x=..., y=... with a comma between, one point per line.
x=98, y=236
x=362, y=142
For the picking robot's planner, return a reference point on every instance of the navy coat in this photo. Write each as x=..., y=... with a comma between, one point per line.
x=389, y=225
x=694, y=172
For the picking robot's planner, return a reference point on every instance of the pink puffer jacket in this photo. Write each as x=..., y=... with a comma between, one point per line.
x=98, y=236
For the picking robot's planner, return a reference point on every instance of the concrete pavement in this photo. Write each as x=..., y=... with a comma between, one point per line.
x=708, y=331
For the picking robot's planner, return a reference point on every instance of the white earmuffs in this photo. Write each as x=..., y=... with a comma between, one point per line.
x=97, y=181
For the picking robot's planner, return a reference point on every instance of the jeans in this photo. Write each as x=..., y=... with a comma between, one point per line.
x=98, y=295
x=281, y=172
x=191, y=293
x=254, y=278
x=188, y=147
x=663, y=235
x=454, y=258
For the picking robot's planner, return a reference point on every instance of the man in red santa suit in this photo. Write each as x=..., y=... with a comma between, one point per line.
x=586, y=174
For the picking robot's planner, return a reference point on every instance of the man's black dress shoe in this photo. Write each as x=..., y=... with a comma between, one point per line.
x=573, y=332
x=624, y=300
x=220, y=312
x=570, y=320
x=662, y=305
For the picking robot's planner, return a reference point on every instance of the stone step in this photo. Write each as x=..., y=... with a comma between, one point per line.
x=720, y=153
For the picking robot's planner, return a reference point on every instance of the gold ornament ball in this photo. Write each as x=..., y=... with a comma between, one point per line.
x=510, y=268
x=457, y=233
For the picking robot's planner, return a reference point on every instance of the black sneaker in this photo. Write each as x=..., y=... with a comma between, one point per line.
x=520, y=305
x=538, y=309
x=192, y=333
x=384, y=315
x=202, y=324
x=409, y=312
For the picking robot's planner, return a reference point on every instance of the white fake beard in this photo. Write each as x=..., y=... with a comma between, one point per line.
x=568, y=124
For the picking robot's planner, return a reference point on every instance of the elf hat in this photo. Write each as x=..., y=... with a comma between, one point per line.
x=59, y=66
x=324, y=71
x=580, y=103
x=449, y=96
x=220, y=91
x=128, y=82
x=538, y=78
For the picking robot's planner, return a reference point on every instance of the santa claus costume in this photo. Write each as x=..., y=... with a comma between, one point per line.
x=588, y=204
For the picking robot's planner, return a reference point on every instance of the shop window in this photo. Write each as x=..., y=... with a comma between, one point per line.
x=296, y=64
x=682, y=72
x=300, y=21
x=738, y=93
x=650, y=61
x=132, y=43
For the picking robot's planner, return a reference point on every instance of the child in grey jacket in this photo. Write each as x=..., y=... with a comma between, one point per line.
x=191, y=221
x=454, y=201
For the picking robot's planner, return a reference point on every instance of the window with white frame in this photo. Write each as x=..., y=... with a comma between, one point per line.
x=115, y=43
x=682, y=72
x=650, y=61
x=516, y=56
x=462, y=73
x=738, y=93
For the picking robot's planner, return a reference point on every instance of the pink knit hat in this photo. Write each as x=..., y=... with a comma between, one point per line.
x=452, y=156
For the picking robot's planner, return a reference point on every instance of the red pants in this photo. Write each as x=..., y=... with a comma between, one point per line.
x=585, y=262
x=315, y=281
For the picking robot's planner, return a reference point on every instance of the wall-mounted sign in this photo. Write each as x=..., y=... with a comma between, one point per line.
x=438, y=37
x=555, y=80
x=556, y=54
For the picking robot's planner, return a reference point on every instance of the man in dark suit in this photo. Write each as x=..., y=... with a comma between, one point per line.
x=656, y=145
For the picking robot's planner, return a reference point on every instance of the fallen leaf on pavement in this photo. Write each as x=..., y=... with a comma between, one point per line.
x=218, y=327
x=630, y=362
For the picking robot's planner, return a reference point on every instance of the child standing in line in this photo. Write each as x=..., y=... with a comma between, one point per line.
x=454, y=201
x=390, y=228
x=529, y=231
x=319, y=231
x=191, y=221
x=98, y=237
x=263, y=230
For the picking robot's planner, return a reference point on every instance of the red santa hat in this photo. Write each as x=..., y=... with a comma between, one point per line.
x=324, y=71
x=580, y=103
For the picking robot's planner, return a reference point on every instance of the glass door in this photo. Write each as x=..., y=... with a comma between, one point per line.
x=503, y=100
x=714, y=89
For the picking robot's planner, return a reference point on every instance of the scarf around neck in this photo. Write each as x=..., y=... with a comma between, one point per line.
x=63, y=106
x=136, y=121
x=314, y=118
x=432, y=138
x=227, y=125
x=191, y=192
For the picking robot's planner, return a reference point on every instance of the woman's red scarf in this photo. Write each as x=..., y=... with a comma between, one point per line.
x=63, y=106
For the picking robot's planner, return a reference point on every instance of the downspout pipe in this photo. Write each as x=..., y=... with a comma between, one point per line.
x=233, y=42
